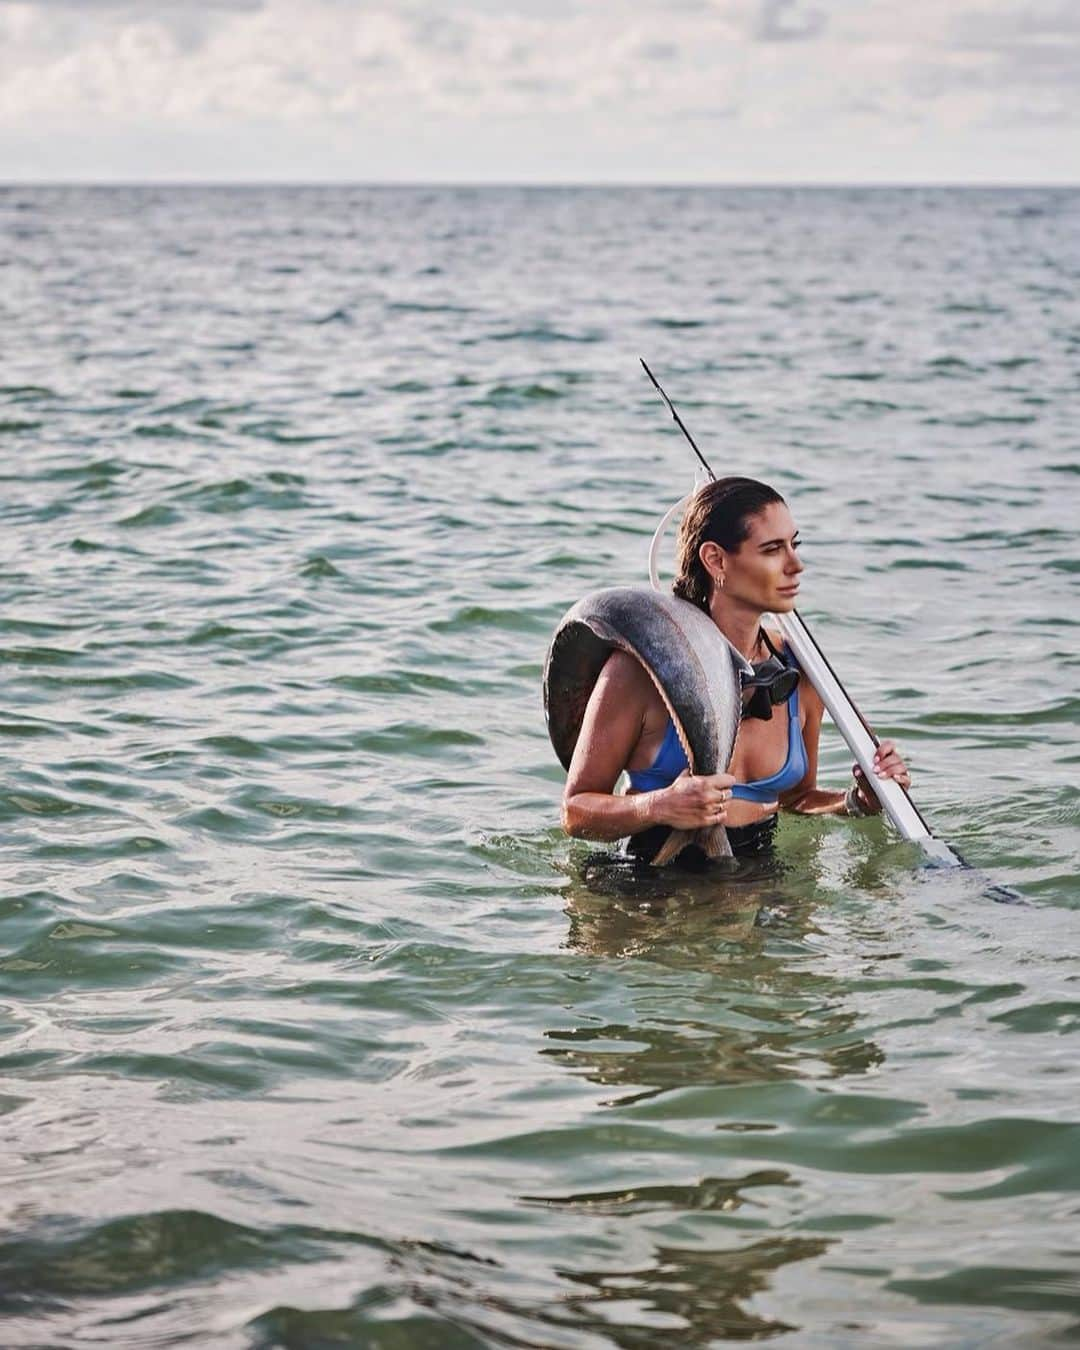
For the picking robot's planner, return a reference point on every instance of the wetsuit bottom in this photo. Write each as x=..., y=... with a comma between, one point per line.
x=747, y=841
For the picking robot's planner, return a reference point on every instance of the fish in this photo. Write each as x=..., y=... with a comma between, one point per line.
x=692, y=664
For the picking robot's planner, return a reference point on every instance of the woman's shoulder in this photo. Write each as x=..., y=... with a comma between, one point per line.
x=624, y=685
x=625, y=675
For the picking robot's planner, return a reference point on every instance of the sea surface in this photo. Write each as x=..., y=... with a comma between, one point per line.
x=314, y=1029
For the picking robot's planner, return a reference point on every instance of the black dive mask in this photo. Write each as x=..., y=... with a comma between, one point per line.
x=772, y=682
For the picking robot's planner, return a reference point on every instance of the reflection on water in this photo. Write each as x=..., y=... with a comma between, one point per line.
x=687, y=1297
x=712, y=1193
x=756, y=1013
x=438, y=1297
x=789, y=1043
x=619, y=908
x=770, y=1017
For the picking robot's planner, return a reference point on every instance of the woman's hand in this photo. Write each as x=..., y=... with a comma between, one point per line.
x=694, y=801
x=887, y=764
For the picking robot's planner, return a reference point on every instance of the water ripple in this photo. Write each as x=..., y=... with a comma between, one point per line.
x=313, y=1026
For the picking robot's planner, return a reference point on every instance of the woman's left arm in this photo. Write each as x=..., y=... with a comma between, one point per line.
x=807, y=799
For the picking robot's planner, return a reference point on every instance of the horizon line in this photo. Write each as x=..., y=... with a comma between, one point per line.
x=543, y=184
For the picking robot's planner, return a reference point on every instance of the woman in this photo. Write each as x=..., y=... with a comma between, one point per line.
x=738, y=559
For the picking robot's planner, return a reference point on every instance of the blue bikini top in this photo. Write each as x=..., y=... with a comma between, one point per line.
x=671, y=760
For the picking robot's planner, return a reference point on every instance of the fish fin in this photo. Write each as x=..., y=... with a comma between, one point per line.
x=713, y=841
x=672, y=846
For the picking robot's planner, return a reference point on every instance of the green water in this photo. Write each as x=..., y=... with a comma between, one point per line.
x=314, y=1030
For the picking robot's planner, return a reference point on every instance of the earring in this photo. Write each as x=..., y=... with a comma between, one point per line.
x=720, y=579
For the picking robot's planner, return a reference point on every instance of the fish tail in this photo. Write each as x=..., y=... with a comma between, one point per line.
x=713, y=842
x=672, y=846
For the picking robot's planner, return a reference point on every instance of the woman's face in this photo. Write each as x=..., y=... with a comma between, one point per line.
x=764, y=570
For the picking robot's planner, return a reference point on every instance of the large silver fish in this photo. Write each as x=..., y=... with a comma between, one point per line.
x=692, y=664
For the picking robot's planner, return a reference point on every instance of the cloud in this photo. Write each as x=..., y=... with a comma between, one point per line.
x=1035, y=21
x=1029, y=47
x=281, y=60
x=788, y=21
x=971, y=66
x=630, y=77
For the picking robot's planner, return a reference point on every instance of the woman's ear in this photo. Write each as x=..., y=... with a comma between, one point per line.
x=712, y=558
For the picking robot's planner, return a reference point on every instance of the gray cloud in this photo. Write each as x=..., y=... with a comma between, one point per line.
x=442, y=34
x=1034, y=21
x=137, y=7
x=658, y=51
x=788, y=21
x=392, y=80
x=1034, y=46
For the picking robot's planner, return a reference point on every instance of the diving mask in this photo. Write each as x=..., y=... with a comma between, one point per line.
x=772, y=682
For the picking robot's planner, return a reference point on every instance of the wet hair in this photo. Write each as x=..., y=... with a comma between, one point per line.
x=719, y=512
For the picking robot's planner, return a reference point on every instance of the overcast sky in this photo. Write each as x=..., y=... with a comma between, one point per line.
x=978, y=91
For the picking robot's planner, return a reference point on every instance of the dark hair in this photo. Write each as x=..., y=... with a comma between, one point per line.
x=719, y=512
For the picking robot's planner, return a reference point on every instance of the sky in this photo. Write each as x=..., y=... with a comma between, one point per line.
x=540, y=91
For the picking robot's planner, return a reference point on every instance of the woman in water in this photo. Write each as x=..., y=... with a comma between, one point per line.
x=738, y=560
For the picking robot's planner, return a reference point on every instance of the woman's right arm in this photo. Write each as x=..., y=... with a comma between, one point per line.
x=612, y=726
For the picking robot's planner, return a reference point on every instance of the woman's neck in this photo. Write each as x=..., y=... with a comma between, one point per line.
x=738, y=624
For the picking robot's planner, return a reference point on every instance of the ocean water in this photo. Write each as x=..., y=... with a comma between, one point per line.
x=314, y=1029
